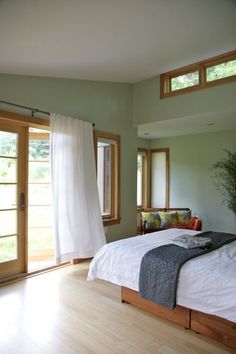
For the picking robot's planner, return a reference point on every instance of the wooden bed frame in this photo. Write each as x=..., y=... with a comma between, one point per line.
x=212, y=326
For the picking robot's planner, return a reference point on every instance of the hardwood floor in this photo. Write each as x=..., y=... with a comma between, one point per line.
x=60, y=312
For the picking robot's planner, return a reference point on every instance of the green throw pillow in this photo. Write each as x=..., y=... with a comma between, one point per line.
x=184, y=217
x=168, y=219
x=152, y=219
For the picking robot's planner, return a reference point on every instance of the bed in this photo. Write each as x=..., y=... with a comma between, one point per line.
x=206, y=293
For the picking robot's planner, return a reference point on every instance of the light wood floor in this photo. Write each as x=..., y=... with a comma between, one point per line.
x=60, y=312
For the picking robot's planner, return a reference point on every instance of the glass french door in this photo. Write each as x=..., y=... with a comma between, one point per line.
x=13, y=172
x=40, y=229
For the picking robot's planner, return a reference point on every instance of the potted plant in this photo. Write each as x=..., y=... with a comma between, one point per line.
x=225, y=179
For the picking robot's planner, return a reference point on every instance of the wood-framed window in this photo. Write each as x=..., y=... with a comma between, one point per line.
x=207, y=73
x=107, y=155
x=153, y=177
x=143, y=178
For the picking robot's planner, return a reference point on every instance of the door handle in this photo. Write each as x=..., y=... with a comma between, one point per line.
x=22, y=201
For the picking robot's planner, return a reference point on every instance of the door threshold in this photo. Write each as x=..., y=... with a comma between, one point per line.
x=22, y=276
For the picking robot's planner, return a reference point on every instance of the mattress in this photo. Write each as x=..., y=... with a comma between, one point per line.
x=206, y=283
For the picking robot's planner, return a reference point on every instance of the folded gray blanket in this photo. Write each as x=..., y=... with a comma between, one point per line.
x=160, y=268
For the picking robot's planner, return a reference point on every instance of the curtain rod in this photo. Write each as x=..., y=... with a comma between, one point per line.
x=33, y=110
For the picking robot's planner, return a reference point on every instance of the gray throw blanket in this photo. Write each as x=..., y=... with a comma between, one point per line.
x=160, y=268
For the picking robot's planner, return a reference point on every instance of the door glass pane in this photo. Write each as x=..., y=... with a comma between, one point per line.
x=8, y=144
x=39, y=194
x=7, y=196
x=40, y=232
x=39, y=171
x=39, y=150
x=8, y=222
x=8, y=247
x=8, y=171
x=41, y=238
x=40, y=216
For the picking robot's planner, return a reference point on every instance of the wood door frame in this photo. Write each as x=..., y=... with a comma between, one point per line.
x=8, y=268
x=11, y=121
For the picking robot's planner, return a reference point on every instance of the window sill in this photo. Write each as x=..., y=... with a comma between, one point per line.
x=111, y=221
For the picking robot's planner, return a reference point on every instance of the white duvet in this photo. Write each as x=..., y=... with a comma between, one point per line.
x=206, y=283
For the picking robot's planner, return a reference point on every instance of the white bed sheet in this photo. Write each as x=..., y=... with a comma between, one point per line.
x=206, y=283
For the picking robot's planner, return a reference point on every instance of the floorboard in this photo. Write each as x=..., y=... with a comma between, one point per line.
x=60, y=312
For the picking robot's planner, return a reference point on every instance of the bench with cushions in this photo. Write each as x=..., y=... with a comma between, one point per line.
x=157, y=219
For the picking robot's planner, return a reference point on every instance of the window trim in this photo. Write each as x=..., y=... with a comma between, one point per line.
x=26, y=121
x=201, y=67
x=114, y=218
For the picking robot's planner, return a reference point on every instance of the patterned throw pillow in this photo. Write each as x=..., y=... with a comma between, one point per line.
x=184, y=217
x=168, y=219
x=152, y=218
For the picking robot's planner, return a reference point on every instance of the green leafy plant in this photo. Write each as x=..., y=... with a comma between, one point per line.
x=225, y=179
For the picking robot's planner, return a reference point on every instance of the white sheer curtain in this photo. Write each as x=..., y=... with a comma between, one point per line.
x=77, y=216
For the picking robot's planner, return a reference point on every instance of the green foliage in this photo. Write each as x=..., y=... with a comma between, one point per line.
x=39, y=172
x=221, y=70
x=7, y=170
x=8, y=144
x=183, y=81
x=8, y=248
x=225, y=179
x=39, y=150
x=215, y=72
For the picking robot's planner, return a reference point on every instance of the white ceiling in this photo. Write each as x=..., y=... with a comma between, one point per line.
x=204, y=123
x=113, y=40
x=118, y=40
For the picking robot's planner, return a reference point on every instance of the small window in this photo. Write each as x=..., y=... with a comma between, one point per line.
x=201, y=75
x=221, y=71
x=183, y=81
x=107, y=150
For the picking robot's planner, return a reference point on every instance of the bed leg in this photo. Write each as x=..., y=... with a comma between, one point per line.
x=123, y=296
x=124, y=302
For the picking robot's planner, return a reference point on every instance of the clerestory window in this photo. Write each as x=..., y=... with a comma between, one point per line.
x=204, y=74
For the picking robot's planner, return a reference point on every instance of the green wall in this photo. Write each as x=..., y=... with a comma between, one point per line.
x=148, y=107
x=191, y=156
x=144, y=143
x=115, y=107
x=108, y=105
x=191, y=184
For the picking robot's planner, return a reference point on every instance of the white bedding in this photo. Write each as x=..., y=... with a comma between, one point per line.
x=206, y=283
